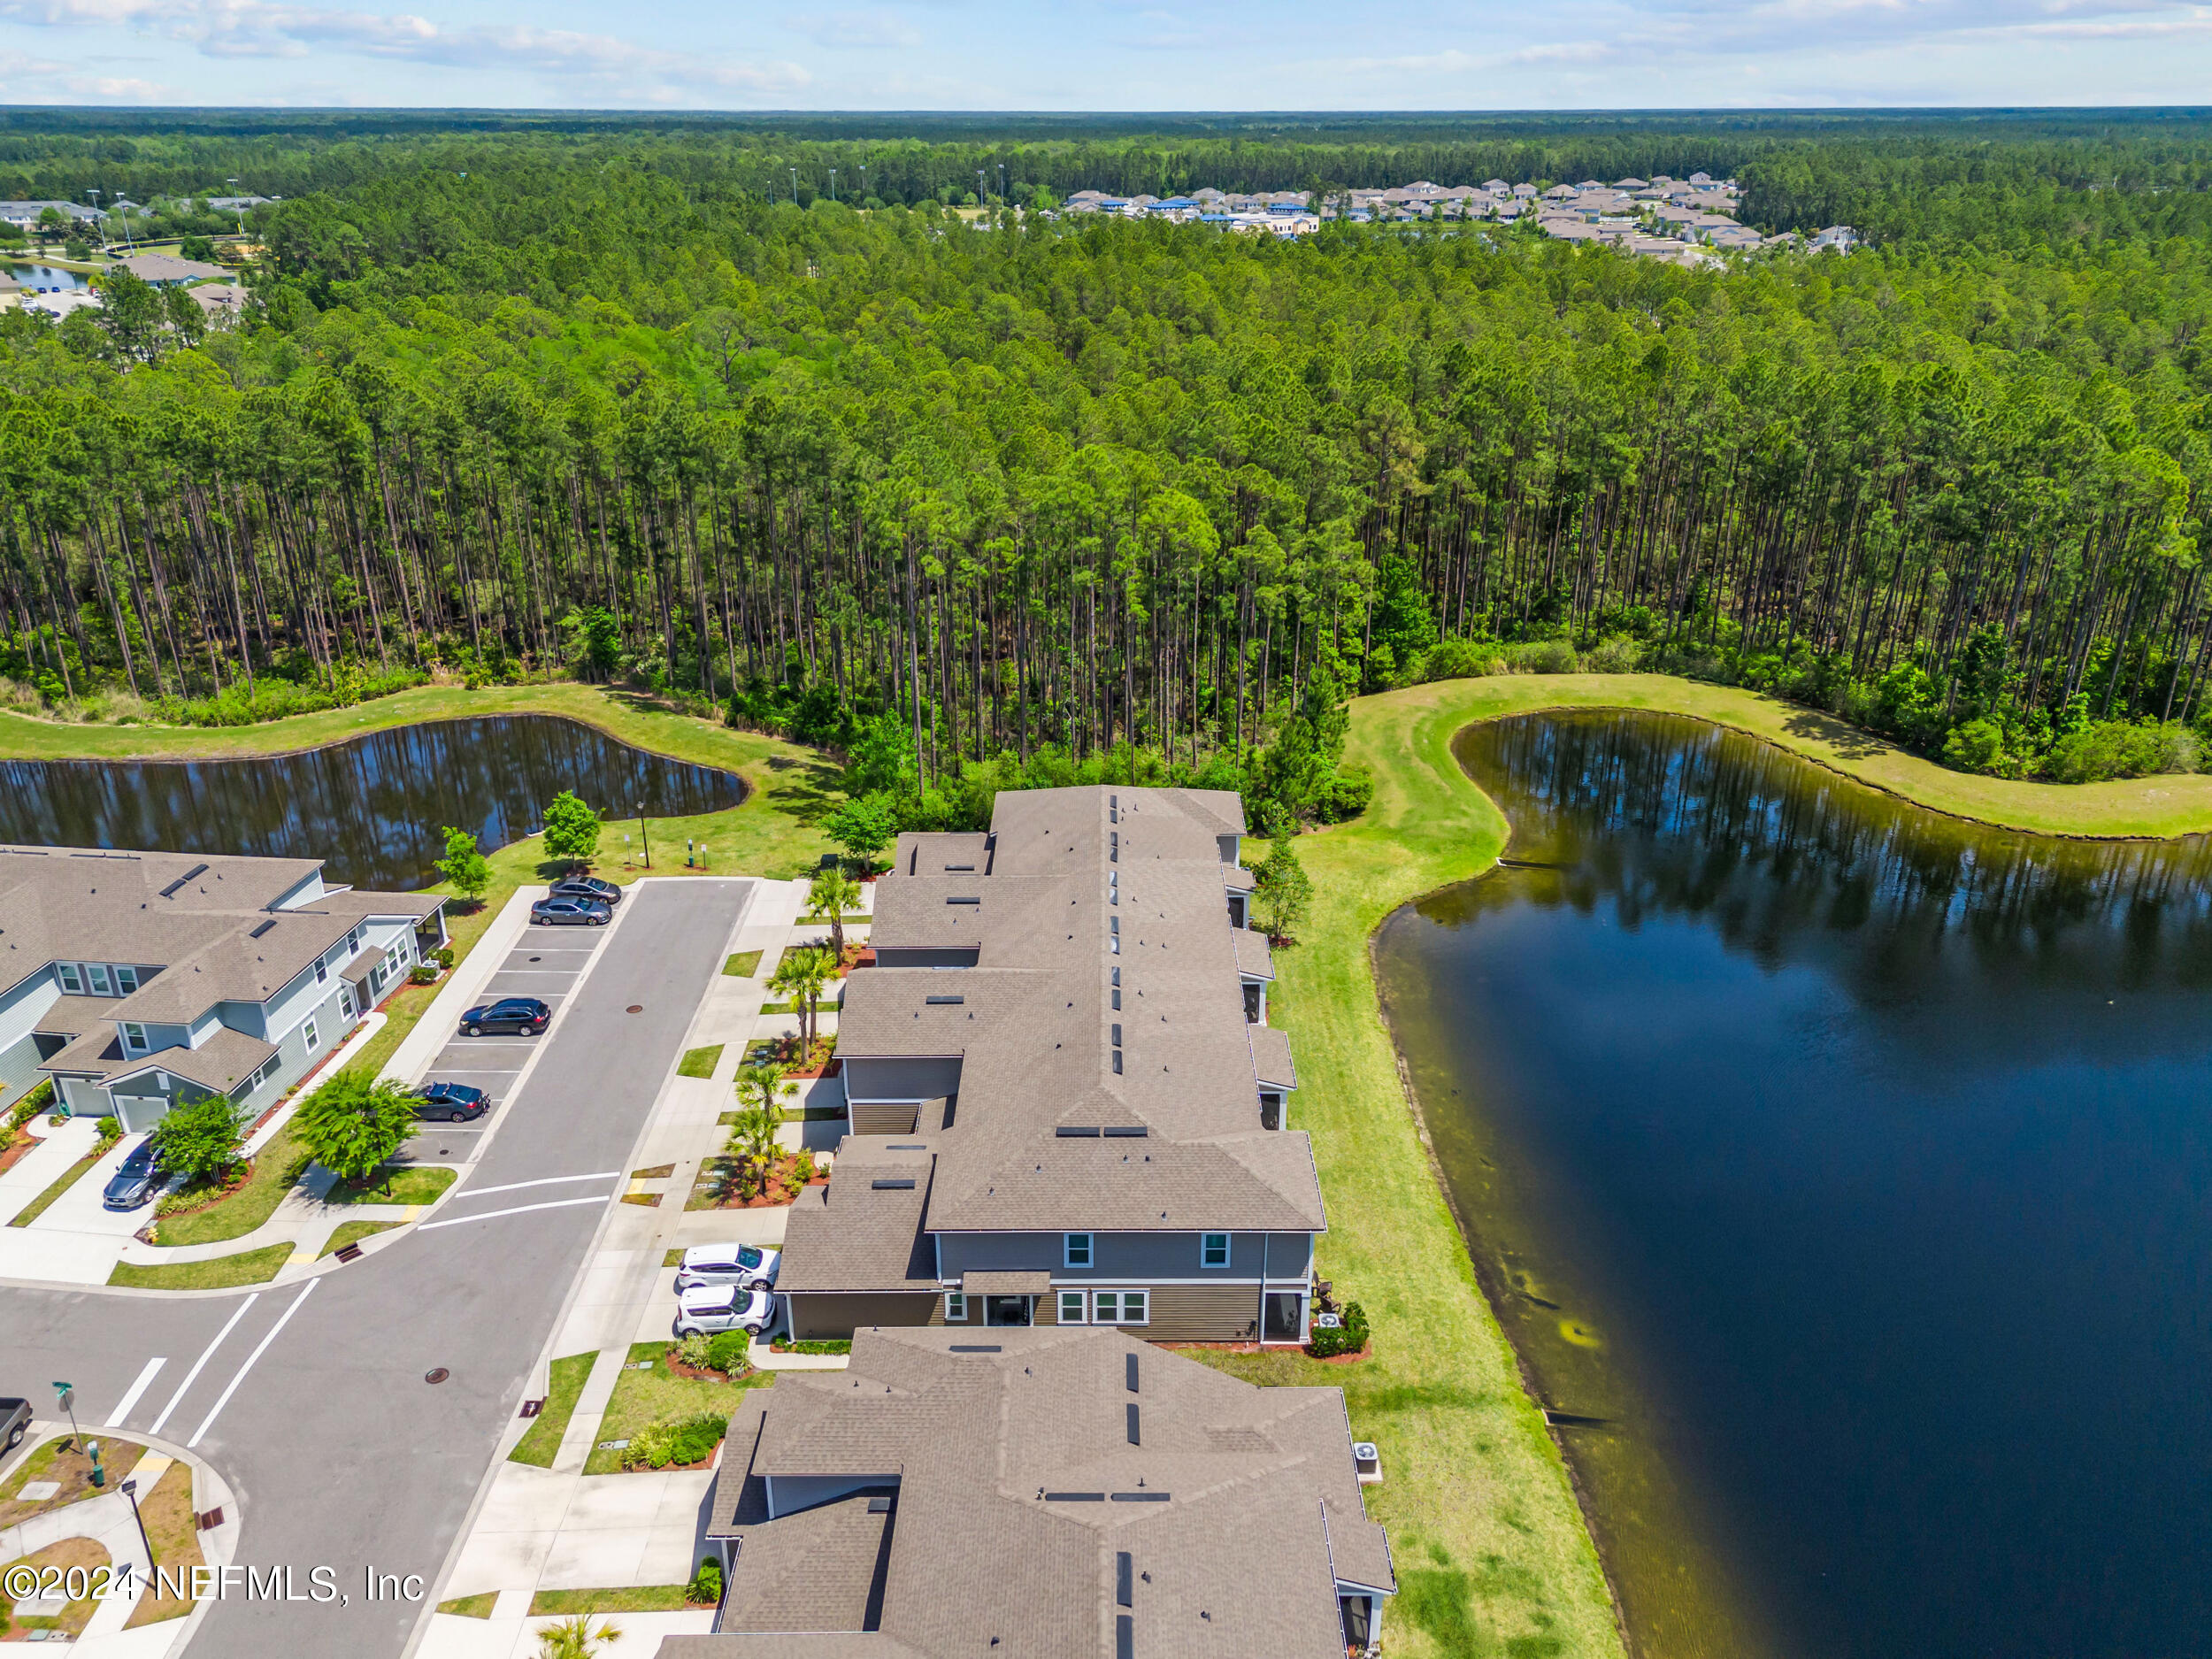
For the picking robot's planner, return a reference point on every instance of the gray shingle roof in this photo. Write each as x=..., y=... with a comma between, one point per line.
x=1239, y=1506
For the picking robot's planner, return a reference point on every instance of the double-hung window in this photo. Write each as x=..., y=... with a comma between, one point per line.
x=322, y=971
x=134, y=1037
x=125, y=980
x=956, y=1307
x=1072, y=1308
x=1078, y=1249
x=100, y=984
x=313, y=1040
x=1213, y=1250
x=1121, y=1307
x=71, y=981
x=345, y=1001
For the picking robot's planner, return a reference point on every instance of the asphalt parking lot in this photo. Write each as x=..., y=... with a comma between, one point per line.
x=545, y=962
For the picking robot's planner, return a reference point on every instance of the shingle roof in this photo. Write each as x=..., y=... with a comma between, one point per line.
x=1022, y=1471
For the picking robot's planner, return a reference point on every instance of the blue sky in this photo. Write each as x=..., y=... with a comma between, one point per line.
x=1107, y=54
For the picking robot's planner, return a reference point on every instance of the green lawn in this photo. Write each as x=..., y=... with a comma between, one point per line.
x=62, y=1183
x=699, y=1062
x=471, y=1606
x=353, y=1233
x=643, y=1597
x=823, y=1005
x=741, y=965
x=652, y=1395
x=408, y=1184
x=542, y=1440
x=251, y=1267
x=279, y=1164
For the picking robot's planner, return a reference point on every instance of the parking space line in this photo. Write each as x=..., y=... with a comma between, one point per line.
x=223, y=1399
x=550, y=1181
x=130, y=1398
x=519, y=1210
x=193, y=1376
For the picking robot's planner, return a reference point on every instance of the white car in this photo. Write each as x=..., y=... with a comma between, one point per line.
x=751, y=1265
x=704, y=1310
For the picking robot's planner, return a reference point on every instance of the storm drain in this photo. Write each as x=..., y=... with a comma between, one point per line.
x=437, y=1375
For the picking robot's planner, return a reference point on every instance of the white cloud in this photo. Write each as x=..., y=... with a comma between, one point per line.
x=855, y=28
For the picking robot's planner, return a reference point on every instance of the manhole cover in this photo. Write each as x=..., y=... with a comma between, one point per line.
x=635, y=1008
x=436, y=1375
x=537, y=958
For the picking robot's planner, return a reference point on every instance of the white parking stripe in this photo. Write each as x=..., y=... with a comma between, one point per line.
x=130, y=1398
x=550, y=1181
x=558, y=973
x=193, y=1375
x=223, y=1399
x=519, y=1210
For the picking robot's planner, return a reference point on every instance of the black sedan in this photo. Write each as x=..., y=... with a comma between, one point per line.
x=524, y=1014
x=590, y=889
x=451, y=1103
x=137, y=1180
x=569, y=913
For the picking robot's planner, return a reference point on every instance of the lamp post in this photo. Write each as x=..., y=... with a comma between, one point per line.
x=130, y=1491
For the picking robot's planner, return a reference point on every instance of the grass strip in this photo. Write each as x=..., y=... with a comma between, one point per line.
x=823, y=1005
x=564, y=1387
x=699, y=1062
x=62, y=1183
x=471, y=1606
x=174, y=1531
x=641, y=1598
x=353, y=1233
x=404, y=1183
x=651, y=1395
x=674, y=1258
x=221, y=1272
x=741, y=965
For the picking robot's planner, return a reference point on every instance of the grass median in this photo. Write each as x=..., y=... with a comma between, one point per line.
x=404, y=1183
x=352, y=1233
x=221, y=1272
x=700, y=1061
x=564, y=1387
x=61, y=1184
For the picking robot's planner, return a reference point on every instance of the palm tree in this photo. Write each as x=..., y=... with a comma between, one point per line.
x=766, y=1081
x=753, y=1143
x=803, y=973
x=833, y=894
x=574, y=1638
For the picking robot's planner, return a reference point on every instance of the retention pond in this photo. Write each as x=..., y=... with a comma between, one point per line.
x=373, y=806
x=1843, y=1170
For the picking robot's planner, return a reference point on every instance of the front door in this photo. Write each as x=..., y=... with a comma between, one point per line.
x=1282, y=1317
x=1006, y=1310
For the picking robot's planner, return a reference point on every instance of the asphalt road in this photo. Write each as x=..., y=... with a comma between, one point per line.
x=311, y=1400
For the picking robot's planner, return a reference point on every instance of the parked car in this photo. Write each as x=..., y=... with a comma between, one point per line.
x=704, y=1310
x=524, y=1014
x=15, y=1421
x=137, y=1180
x=748, y=1264
x=569, y=913
x=454, y=1103
x=587, y=888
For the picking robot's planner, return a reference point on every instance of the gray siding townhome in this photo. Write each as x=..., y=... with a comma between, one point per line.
x=1067, y=1106
x=138, y=980
x=1042, y=1493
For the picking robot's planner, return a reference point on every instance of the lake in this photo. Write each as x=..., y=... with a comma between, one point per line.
x=1849, y=1165
x=47, y=278
x=373, y=806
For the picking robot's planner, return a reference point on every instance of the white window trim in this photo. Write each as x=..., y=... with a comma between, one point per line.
x=314, y=1038
x=1227, y=1249
x=1121, y=1307
x=125, y=980
x=1068, y=1249
x=134, y=1044
x=71, y=978
x=97, y=975
x=322, y=971
x=1081, y=1301
x=956, y=1307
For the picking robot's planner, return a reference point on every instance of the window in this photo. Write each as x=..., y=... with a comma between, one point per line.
x=1213, y=1250
x=1117, y=1063
x=345, y=1001
x=956, y=1307
x=1079, y=1249
x=1117, y=1001
x=71, y=981
x=1121, y=1307
x=1072, y=1308
x=314, y=1042
x=135, y=1037
x=98, y=970
x=353, y=942
x=125, y=980
x=322, y=971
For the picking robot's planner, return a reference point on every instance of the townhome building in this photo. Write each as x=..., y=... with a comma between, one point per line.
x=1052, y=1494
x=1067, y=1105
x=140, y=981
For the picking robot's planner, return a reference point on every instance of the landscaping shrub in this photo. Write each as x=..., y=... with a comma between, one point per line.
x=2121, y=748
x=728, y=1352
x=1347, y=1338
x=1547, y=657
x=110, y=1131
x=692, y=1350
x=1344, y=795
x=422, y=973
x=1462, y=659
x=705, y=1588
x=444, y=955
x=690, y=1441
x=1619, y=655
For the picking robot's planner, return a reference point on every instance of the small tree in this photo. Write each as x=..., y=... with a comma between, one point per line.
x=832, y=892
x=764, y=1082
x=802, y=974
x=571, y=829
x=353, y=1124
x=576, y=1638
x=466, y=870
x=199, y=1140
x=753, y=1142
x=864, y=826
x=1282, y=890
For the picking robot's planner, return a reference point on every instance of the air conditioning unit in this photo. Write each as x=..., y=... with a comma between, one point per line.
x=1367, y=1461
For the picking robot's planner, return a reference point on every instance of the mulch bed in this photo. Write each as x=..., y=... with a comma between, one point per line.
x=692, y=1373
x=213, y=1194
x=18, y=1149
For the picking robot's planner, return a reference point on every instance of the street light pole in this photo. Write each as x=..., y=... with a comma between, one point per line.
x=130, y=1491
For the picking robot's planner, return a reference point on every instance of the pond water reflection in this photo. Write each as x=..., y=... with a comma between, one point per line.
x=373, y=806
x=1852, y=1164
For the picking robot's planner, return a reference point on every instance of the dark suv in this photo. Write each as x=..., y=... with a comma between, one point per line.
x=524, y=1014
x=590, y=889
x=452, y=1102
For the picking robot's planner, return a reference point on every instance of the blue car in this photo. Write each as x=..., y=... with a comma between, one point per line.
x=137, y=1180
